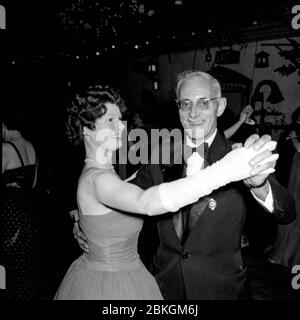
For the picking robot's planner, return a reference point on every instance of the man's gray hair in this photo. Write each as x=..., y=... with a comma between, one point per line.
x=194, y=74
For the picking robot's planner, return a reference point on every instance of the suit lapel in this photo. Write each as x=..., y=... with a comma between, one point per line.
x=171, y=173
x=217, y=150
x=219, y=147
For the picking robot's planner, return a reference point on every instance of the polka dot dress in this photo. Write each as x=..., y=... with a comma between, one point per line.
x=19, y=237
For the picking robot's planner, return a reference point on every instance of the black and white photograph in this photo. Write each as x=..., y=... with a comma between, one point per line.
x=150, y=153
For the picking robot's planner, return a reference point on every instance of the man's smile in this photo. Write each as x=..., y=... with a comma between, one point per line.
x=196, y=123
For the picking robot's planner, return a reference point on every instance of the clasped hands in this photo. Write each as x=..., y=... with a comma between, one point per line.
x=261, y=167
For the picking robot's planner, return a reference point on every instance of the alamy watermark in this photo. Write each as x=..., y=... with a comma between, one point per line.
x=296, y=19
x=157, y=146
x=296, y=278
x=2, y=17
x=2, y=278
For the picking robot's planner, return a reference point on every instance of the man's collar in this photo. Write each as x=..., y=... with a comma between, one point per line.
x=209, y=140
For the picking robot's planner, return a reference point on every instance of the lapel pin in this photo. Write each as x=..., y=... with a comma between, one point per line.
x=212, y=204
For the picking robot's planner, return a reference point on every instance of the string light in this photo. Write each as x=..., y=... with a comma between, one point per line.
x=109, y=48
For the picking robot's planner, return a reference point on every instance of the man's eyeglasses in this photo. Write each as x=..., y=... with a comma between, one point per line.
x=202, y=103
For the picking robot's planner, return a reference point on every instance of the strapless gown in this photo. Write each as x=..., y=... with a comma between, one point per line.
x=112, y=270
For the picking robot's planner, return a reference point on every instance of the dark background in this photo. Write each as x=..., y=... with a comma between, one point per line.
x=39, y=72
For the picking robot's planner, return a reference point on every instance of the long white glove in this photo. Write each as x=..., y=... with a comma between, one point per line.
x=233, y=167
x=195, y=162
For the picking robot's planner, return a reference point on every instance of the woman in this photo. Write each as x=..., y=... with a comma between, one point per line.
x=112, y=269
x=243, y=128
x=286, y=249
x=138, y=122
x=19, y=244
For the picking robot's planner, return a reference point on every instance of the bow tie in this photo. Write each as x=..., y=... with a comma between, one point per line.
x=196, y=158
x=202, y=150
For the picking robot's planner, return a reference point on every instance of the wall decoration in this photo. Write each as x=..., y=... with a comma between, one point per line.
x=261, y=60
x=292, y=55
x=208, y=56
x=153, y=73
x=227, y=56
x=264, y=100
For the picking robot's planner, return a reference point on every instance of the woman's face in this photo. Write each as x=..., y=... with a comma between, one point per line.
x=109, y=128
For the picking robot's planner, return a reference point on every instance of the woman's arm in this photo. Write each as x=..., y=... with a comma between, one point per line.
x=229, y=132
x=116, y=193
x=245, y=114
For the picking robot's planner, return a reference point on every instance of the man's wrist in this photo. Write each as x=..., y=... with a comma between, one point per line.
x=260, y=186
x=257, y=188
x=261, y=191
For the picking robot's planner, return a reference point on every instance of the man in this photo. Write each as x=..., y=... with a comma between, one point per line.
x=199, y=255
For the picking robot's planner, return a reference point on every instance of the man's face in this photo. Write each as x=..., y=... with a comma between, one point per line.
x=199, y=124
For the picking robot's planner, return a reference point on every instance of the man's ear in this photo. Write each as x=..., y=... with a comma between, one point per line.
x=221, y=107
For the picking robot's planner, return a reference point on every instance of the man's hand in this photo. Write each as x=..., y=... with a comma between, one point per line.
x=77, y=232
x=258, y=180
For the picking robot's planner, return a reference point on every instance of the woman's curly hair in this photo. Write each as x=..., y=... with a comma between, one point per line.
x=87, y=107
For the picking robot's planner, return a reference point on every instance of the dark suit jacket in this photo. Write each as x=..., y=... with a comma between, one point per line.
x=209, y=264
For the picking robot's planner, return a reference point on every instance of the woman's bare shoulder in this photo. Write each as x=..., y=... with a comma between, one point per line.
x=90, y=175
x=86, y=191
x=7, y=148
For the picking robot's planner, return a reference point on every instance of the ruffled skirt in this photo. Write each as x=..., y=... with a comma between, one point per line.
x=86, y=280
